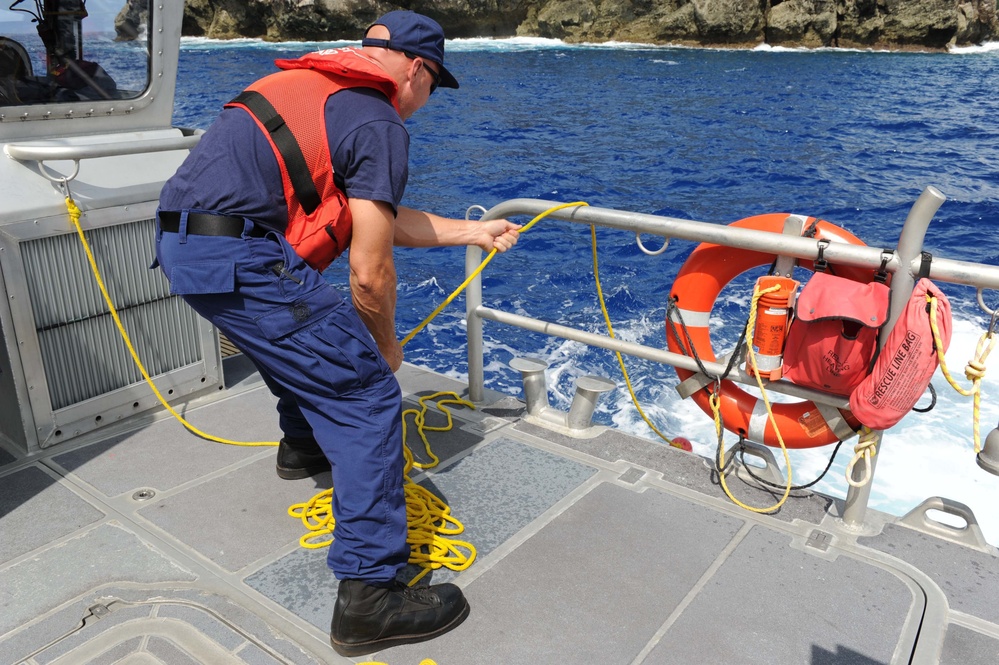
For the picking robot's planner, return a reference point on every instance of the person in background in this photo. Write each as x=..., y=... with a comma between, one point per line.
x=298, y=166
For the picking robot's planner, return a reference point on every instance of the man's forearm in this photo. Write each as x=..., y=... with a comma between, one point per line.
x=374, y=300
x=415, y=228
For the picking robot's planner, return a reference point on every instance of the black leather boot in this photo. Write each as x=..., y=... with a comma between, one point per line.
x=368, y=618
x=300, y=458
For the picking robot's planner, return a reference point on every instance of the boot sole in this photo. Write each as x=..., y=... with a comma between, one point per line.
x=290, y=473
x=363, y=648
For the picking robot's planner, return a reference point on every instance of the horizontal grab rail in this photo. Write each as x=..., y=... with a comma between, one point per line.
x=657, y=355
x=946, y=270
x=40, y=153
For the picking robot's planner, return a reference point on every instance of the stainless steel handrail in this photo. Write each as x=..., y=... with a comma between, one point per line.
x=40, y=153
x=904, y=264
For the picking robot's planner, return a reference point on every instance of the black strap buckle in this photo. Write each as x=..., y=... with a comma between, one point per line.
x=821, y=265
x=881, y=274
x=924, y=265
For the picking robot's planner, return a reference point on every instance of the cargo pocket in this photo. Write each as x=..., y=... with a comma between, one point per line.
x=203, y=277
x=290, y=317
x=348, y=353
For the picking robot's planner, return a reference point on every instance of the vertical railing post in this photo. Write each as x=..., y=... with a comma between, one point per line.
x=473, y=300
x=910, y=246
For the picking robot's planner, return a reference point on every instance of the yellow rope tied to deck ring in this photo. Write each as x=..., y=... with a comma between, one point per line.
x=429, y=518
x=974, y=371
x=74, y=216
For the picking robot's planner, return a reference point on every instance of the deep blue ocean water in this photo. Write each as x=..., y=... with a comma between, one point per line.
x=712, y=135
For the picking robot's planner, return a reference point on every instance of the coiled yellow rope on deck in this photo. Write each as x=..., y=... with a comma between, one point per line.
x=716, y=408
x=974, y=371
x=429, y=519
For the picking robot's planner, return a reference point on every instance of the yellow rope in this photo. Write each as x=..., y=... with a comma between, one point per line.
x=716, y=404
x=421, y=426
x=426, y=514
x=866, y=448
x=74, y=216
x=482, y=266
x=610, y=332
x=429, y=519
x=425, y=661
x=974, y=371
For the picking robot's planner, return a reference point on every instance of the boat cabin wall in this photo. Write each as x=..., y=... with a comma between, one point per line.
x=90, y=117
x=89, y=72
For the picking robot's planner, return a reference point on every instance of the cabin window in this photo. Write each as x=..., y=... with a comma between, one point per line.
x=64, y=51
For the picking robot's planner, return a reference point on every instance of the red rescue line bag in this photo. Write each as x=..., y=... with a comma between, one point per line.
x=834, y=335
x=907, y=361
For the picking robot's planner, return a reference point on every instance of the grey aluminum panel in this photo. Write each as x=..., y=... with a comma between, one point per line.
x=592, y=587
x=201, y=627
x=969, y=578
x=687, y=470
x=110, y=552
x=163, y=455
x=773, y=604
x=963, y=646
x=203, y=516
x=501, y=488
x=82, y=352
x=30, y=497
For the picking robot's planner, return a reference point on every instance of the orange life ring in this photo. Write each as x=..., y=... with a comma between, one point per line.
x=704, y=274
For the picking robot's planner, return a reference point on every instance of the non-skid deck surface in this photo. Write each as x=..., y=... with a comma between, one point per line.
x=156, y=547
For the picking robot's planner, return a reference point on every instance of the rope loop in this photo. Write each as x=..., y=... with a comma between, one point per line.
x=974, y=371
x=866, y=448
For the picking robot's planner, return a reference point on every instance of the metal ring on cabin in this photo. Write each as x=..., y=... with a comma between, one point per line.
x=61, y=180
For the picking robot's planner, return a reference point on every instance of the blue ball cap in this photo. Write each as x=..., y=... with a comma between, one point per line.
x=416, y=34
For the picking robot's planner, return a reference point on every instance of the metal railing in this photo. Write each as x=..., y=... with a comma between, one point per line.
x=905, y=263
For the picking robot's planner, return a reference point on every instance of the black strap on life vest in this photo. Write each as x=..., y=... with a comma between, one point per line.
x=287, y=145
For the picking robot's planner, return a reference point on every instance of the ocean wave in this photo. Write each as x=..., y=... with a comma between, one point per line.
x=520, y=44
x=987, y=47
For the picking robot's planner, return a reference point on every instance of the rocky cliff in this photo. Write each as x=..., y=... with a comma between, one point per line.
x=892, y=24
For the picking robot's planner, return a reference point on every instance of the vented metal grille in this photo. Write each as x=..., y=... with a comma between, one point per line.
x=82, y=352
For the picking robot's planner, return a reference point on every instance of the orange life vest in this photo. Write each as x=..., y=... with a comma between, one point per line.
x=288, y=106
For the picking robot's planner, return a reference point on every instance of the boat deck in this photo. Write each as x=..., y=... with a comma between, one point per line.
x=153, y=546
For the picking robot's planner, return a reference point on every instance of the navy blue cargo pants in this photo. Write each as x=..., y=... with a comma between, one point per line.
x=321, y=362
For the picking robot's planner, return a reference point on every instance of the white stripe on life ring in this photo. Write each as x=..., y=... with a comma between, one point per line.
x=758, y=422
x=691, y=319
